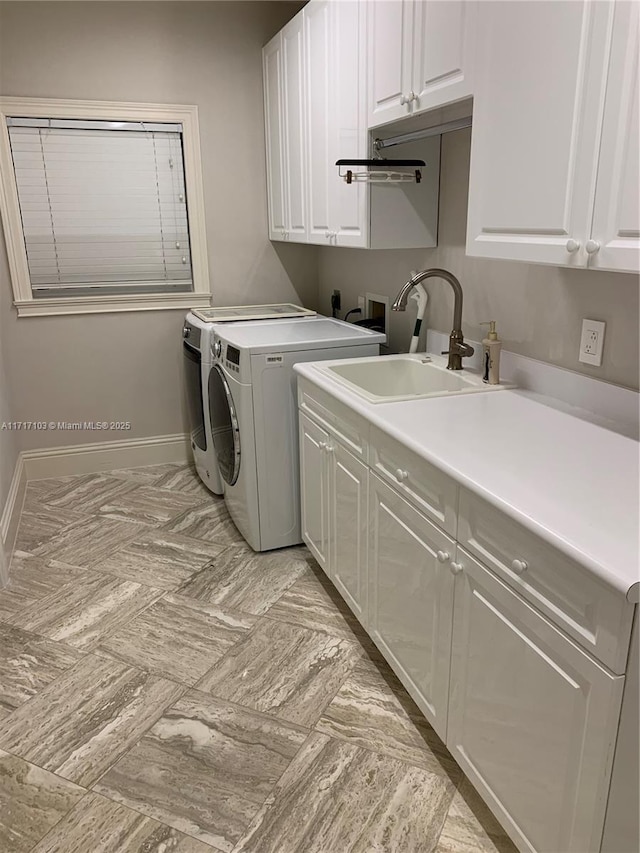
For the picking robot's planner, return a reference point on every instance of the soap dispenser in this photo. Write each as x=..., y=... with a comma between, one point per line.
x=491, y=355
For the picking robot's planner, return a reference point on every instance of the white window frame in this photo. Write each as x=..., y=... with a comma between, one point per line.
x=23, y=299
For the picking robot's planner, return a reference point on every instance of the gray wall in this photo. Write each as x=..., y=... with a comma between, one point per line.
x=539, y=308
x=128, y=366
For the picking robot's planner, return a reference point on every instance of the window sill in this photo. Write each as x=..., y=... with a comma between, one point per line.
x=106, y=304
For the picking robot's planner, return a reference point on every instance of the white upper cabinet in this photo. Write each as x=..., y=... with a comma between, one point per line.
x=616, y=217
x=335, y=121
x=274, y=136
x=420, y=56
x=321, y=117
x=539, y=103
x=294, y=129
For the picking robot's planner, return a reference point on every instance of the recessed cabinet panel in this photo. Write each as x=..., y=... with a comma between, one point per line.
x=273, y=88
x=318, y=71
x=390, y=25
x=314, y=489
x=536, y=120
x=532, y=718
x=294, y=111
x=597, y=617
x=348, y=121
x=411, y=598
x=616, y=221
x=349, y=529
x=433, y=492
x=443, y=52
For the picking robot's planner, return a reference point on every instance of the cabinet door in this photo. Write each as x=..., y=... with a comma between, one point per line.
x=537, y=115
x=294, y=131
x=318, y=57
x=390, y=26
x=411, y=598
x=616, y=220
x=314, y=489
x=443, y=52
x=348, y=528
x=532, y=718
x=274, y=135
x=347, y=119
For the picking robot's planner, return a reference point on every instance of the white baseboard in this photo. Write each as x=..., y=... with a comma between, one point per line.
x=10, y=517
x=106, y=456
x=82, y=459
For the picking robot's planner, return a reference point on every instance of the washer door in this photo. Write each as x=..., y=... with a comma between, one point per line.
x=224, y=425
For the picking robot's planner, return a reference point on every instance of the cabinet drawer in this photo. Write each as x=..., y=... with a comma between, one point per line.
x=342, y=422
x=593, y=614
x=432, y=491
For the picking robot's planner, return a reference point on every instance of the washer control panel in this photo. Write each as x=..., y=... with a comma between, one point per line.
x=232, y=359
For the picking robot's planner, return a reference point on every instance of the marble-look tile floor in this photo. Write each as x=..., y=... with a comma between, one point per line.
x=164, y=689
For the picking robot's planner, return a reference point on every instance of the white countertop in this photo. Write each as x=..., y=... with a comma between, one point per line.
x=572, y=482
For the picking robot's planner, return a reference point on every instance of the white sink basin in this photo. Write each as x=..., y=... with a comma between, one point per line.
x=384, y=379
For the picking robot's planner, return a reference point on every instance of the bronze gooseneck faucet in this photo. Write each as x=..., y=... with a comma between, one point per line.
x=457, y=347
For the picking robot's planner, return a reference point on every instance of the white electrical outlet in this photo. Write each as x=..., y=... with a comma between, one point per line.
x=591, y=342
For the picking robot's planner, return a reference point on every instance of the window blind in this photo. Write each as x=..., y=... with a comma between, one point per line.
x=103, y=206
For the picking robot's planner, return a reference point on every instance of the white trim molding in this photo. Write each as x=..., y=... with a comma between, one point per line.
x=187, y=115
x=77, y=459
x=10, y=517
x=82, y=459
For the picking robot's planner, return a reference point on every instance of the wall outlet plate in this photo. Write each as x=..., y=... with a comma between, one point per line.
x=591, y=342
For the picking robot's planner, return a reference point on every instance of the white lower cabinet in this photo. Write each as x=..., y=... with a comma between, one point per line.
x=348, y=527
x=528, y=706
x=411, y=598
x=314, y=489
x=333, y=487
x=532, y=718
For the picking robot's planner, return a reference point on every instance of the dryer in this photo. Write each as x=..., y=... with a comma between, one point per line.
x=254, y=420
x=197, y=340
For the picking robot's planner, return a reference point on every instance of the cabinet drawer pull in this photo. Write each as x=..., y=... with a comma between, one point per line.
x=573, y=246
x=330, y=448
x=401, y=475
x=592, y=246
x=519, y=566
x=456, y=568
x=443, y=557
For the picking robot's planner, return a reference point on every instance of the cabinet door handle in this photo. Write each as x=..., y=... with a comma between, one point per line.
x=456, y=568
x=403, y=100
x=592, y=246
x=573, y=246
x=401, y=475
x=443, y=556
x=412, y=97
x=330, y=448
x=322, y=445
x=519, y=566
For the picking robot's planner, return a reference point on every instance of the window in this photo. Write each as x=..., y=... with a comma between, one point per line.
x=102, y=206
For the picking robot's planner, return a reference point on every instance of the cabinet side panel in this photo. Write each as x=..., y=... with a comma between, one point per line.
x=405, y=216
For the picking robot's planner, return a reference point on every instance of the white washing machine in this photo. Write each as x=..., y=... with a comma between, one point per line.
x=254, y=418
x=197, y=335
